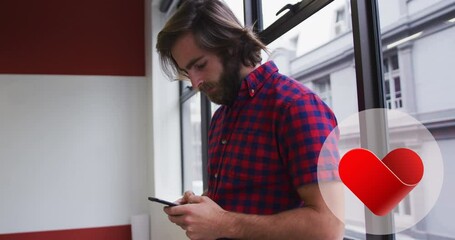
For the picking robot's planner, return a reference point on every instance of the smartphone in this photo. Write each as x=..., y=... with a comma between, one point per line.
x=170, y=204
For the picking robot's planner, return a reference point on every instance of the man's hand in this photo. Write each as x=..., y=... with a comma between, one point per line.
x=200, y=217
x=185, y=198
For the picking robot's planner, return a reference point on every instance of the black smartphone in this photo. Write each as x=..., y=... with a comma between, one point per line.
x=170, y=204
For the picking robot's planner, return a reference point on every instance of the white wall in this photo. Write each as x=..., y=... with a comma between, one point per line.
x=432, y=69
x=72, y=151
x=86, y=151
x=344, y=92
x=389, y=12
x=415, y=6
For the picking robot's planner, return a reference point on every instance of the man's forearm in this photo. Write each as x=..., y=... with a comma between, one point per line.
x=302, y=223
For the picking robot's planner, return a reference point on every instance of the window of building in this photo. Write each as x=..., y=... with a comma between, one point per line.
x=392, y=82
x=340, y=21
x=323, y=89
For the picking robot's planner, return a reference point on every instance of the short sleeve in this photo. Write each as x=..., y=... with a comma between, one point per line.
x=306, y=123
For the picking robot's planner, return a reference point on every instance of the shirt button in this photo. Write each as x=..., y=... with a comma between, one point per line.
x=252, y=92
x=224, y=141
x=216, y=175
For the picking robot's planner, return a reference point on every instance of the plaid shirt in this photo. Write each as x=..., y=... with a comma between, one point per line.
x=266, y=145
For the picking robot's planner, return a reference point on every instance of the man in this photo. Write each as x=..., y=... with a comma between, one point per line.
x=264, y=140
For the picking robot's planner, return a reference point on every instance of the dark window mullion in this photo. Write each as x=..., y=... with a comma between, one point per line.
x=182, y=101
x=370, y=94
x=206, y=115
x=253, y=14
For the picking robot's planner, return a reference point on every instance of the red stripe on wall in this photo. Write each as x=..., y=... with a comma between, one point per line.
x=83, y=37
x=100, y=233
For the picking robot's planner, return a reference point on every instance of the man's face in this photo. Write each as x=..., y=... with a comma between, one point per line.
x=206, y=71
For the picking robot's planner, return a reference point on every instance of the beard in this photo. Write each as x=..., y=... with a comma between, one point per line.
x=228, y=85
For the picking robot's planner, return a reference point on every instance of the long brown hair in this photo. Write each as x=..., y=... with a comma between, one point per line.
x=215, y=29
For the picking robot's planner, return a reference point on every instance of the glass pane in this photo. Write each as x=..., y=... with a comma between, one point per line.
x=422, y=61
x=315, y=50
x=395, y=65
x=397, y=84
x=340, y=15
x=213, y=108
x=407, y=206
x=386, y=65
x=319, y=53
x=237, y=7
x=185, y=86
x=387, y=88
x=192, y=145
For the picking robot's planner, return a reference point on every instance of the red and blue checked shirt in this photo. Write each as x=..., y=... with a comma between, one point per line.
x=266, y=145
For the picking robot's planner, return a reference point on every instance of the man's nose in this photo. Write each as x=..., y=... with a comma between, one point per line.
x=196, y=80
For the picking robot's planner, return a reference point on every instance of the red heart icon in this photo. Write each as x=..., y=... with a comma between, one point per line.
x=381, y=185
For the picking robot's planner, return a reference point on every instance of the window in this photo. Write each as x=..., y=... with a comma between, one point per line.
x=416, y=63
x=322, y=88
x=393, y=94
x=195, y=112
x=340, y=21
x=192, y=144
x=340, y=15
x=415, y=68
x=404, y=208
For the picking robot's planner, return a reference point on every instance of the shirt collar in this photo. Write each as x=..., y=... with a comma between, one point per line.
x=254, y=81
